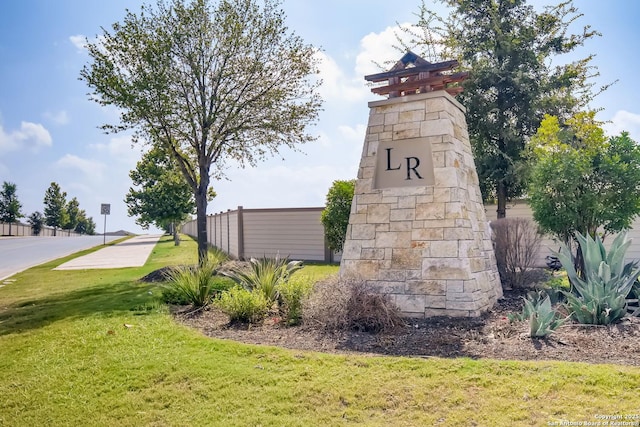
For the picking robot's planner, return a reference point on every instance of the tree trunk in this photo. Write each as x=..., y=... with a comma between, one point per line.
x=9, y=229
x=176, y=238
x=201, y=223
x=502, y=200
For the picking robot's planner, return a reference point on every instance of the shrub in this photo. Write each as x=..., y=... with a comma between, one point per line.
x=600, y=297
x=265, y=275
x=171, y=295
x=335, y=216
x=555, y=288
x=195, y=285
x=538, y=311
x=517, y=244
x=338, y=304
x=242, y=305
x=292, y=294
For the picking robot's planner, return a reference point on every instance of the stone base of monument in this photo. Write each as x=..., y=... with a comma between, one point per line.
x=418, y=230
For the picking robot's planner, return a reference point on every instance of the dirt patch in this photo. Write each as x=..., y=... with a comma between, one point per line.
x=491, y=336
x=160, y=275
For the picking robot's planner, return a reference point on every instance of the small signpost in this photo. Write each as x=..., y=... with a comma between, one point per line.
x=105, y=209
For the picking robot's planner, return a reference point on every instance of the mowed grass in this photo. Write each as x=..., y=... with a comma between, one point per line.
x=96, y=348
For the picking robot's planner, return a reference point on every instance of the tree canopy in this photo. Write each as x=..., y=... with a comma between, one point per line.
x=583, y=181
x=335, y=216
x=209, y=83
x=72, y=217
x=10, y=206
x=55, y=203
x=163, y=196
x=85, y=225
x=36, y=220
x=508, y=48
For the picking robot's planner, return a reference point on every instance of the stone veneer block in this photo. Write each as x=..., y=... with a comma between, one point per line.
x=425, y=243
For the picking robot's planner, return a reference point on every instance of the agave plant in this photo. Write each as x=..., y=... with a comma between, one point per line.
x=265, y=275
x=538, y=311
x=600, y=297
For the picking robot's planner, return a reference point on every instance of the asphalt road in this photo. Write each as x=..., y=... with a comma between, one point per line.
x=19, y=253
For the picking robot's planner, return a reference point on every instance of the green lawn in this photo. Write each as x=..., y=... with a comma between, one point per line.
x=95, y=348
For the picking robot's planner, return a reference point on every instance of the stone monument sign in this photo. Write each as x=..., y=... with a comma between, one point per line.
x=417, y=229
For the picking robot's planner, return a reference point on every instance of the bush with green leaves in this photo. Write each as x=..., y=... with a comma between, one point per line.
x=292, y=295
x=335, y=216
x=242, y=305
x=555, y=287
x=196, y=285
x=599, y=297
x=538, y=311
x=265, y=275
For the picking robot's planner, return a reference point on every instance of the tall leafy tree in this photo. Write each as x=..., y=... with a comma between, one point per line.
x=36, y=220
x=163, y=196
x=55, y=202
x=72, y=216
x=335, y=216
x=509, y=49
x=85, y=224
x=10, y=206
x=208, y=83
x=583, y=181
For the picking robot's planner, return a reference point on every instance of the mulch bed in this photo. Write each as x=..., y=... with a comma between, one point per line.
x=491, y=336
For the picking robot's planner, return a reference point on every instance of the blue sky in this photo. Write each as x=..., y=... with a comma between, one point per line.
x=49, y=128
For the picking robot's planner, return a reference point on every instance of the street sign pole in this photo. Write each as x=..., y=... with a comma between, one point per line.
x=105, y=209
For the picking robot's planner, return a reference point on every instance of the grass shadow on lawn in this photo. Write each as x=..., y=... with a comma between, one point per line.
x=104, y=299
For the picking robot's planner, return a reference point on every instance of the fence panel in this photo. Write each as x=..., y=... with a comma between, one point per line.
x=245, y=233
x=18, y=229
x=298, y=233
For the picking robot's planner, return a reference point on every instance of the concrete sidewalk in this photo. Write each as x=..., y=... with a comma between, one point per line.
x=130, y=253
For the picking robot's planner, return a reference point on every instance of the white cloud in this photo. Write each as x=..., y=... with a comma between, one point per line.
x=375, y=50
x=336, y=84
x=79, y=41
x=120, y=148
x=32, y=136
x=379, y=51
x=624, y=121
x=353, y=134
x=90, y=168
x=323, y=141
x=60, y=117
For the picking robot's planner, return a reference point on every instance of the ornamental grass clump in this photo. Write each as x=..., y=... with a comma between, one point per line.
x=196, y=285
x=599, y=297
x=265, y=275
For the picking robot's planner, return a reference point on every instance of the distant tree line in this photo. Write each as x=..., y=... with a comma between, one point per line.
x=58, y=212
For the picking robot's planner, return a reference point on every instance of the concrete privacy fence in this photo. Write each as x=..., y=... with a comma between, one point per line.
x=521, y=209
x=298, y=233
x=24, y=230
